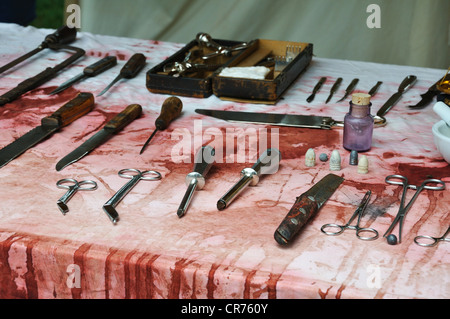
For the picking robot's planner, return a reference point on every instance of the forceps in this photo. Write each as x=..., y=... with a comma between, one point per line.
x=358, y=212
x=428, y=241
x=135, y=176
x=73, y=186
x=403, y=210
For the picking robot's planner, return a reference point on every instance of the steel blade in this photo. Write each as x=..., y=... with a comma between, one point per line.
x=291, y=120
x=67, y=84
x=110, y=85
x=389, y=104
x=323, y=189
x=426, y=99
x=98, y=139
x=25, y=142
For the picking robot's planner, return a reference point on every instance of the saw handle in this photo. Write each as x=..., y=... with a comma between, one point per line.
x=303, y=209
x=64, y=35
x=124, y=118
x=83, y=103
x=133, y=66
x=100, y=66
x=170, y=110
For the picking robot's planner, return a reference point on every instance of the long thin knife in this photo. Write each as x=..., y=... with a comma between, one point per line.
x=111, y=128
x=334, y=88
x=292, y=120
x=427, y=97
x=89, y=71
x=305, y=207
x=349, y=89
x=406, y=84
x=69, y=112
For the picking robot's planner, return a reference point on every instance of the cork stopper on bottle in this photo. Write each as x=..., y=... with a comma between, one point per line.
x=361, y=99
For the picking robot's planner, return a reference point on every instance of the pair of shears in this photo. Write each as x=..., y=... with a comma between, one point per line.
x=428, y=241
x=73, y=186
x=328, y=228
x=430, y=184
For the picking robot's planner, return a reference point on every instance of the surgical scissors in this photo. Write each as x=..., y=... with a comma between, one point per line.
x=428, y=241
x=403, y=210
x=110, y=206
x=73, y=186
x=358, y=212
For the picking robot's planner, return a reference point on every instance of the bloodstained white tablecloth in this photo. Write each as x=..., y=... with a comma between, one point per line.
x=151, y=253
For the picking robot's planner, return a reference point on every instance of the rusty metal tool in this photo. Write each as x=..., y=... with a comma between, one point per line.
x=89, y=71
x=306, y=206
x=334, y=88
x=63, y=35
x=82, y=104
x=46, y=75
x=204, y=159
x=316, y=89
x=133, y=66
x=406, y=84
x=170, y=110
x=266, y=164
x=111, y=128
x=349, y=89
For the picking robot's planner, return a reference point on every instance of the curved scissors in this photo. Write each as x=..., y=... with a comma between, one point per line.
x=358, y=212
x=73, y=186
x=428, y=241
x=135, y=176
x=436, y=184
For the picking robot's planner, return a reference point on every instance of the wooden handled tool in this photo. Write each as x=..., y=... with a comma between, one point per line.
x=129, y=70
x=170, y=110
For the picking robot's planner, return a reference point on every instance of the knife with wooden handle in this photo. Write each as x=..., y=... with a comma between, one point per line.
x=305, y=207
x=111, y=128
x=69, y=112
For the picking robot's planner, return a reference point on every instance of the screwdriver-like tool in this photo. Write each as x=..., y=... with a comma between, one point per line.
x=129, y=70
x=267, y=164
x=89, y=71
x=170, y=110
x=204, y=159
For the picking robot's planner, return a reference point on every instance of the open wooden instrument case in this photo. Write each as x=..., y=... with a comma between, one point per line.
x=202, y=84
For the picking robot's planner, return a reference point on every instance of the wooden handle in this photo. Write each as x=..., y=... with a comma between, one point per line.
x=100, y=66
x=303, y=209
x=83, y=103
x=133, y=66
x=170, y=110
x=124, y=118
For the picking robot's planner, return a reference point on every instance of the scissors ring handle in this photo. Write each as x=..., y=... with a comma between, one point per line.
x=426, y=241
x=389, y=180
x=91, y=185
x=324, y=230
x=62, y=183
x=155, y=176
x=373, y=232
x=122, y=173
x=433, y=181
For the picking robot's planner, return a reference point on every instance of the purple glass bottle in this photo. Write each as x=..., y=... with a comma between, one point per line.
x=358, y=124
